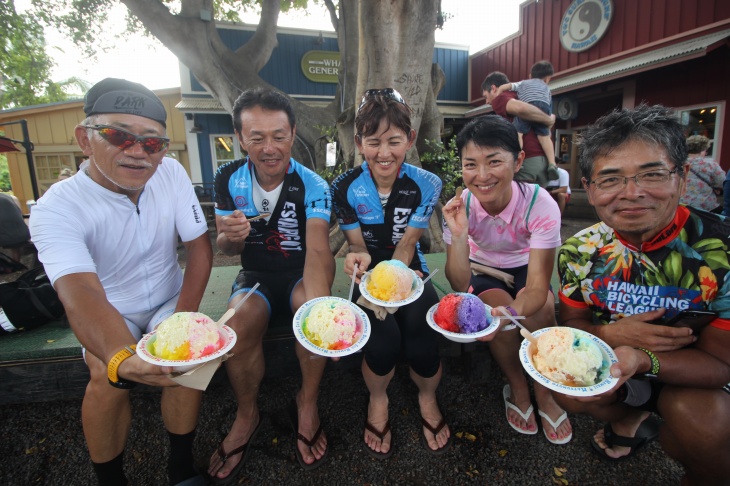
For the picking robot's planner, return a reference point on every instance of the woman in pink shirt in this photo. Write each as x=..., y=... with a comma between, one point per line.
x=507, y=232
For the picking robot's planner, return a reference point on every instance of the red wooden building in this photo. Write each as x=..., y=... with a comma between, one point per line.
x=617, y=53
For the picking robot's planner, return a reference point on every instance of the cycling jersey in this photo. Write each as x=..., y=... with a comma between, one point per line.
x=280, y=242
x=79, y=226
x=412, y=199
x=684, y=267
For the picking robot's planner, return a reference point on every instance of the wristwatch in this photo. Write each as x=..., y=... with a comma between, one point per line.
x=113, y=367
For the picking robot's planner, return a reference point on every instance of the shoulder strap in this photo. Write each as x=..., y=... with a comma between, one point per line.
x=532, y=203
x=40, y=307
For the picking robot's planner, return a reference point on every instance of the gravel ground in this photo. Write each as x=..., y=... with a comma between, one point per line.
x=44, y=444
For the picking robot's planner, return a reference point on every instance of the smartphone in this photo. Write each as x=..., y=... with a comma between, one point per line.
x=694, y=319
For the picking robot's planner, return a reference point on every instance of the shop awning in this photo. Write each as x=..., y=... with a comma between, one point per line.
x=6, y=145
x=672, y=54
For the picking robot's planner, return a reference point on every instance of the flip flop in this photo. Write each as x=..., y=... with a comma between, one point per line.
x=506, y=391
x=294, y=419
x=224, y=456
x=435, y=430
x=647, y=432
x=380, y=434
x=563, y=417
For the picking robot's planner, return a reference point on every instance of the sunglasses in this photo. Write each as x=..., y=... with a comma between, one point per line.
x=124, y=139
x=387, y=93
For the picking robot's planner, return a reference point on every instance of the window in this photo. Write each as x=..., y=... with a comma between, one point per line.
x=224, y=149
x=48, y=166
x=703, y=120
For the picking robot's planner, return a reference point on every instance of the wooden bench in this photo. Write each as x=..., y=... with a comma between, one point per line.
x=46, y=363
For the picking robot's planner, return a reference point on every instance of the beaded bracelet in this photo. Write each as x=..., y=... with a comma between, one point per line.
x=654, y=372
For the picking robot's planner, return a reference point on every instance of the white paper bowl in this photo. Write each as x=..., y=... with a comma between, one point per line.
x=416, y=291
x=303, y=312
x=463, y=337
x=229, y=340
x=607, y=381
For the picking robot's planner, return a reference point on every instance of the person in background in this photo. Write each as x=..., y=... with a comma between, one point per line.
x=624, y=278
x=64, y=174
x=534, y=167
x=13, y=230
x=400, y=199
x=726, y=195
x=705, y=178
x=107, y=239
x=501, y=237
x=560, y=189
x=536, y=92
x=287, y=252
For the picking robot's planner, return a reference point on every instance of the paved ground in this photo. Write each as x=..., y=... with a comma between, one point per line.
x=43, y=442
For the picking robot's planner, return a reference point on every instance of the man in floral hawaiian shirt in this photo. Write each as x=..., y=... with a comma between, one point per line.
x=646, y=261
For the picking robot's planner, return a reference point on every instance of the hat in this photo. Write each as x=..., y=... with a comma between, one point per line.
x=113, y=95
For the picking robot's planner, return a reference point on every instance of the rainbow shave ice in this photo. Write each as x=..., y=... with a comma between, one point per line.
x=186, y=335
x=568, y=357
x=332, y=324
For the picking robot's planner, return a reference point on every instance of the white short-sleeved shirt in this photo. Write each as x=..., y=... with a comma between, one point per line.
x=530, y=220
x=562, y=181
x=79, y=226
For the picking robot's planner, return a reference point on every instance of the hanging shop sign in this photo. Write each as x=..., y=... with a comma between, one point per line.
x=585, y=22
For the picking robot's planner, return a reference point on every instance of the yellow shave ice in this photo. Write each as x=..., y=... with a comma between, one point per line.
x=390, y=281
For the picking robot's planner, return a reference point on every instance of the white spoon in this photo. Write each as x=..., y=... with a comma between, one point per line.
x=229, y=313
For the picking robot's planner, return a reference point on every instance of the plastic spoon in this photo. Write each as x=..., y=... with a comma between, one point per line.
x=352, y=284
x=523, y=330
x=229, y=313
x=431, y=275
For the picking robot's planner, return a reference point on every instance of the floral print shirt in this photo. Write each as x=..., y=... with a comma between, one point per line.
x=684, y=267
x=703, y=178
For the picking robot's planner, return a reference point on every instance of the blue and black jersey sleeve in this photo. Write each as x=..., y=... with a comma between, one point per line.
x=344, y=206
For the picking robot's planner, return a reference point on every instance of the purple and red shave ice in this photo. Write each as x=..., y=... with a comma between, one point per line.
x=462, y=313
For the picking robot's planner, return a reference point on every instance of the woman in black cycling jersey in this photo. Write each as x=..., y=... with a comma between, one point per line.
x=383, y=207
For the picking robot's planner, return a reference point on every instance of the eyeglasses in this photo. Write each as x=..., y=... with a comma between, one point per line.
x=648, y=180
x=387, y=93
x=124, y=139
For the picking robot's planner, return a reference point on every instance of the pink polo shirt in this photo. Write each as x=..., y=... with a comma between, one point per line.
x=505, y=240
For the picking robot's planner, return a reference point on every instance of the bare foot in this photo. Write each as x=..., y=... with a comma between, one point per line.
x=378, y=418
x=431, y=414
x=547, y=404
x=522, y=401
x=308, y=420
x=240, y=434
x=625, y=428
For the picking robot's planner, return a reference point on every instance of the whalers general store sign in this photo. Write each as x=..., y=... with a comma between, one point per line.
x=321, y=66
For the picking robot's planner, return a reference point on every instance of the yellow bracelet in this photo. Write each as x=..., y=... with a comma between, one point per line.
x=113, y=366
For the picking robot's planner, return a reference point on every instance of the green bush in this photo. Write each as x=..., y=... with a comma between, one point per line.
x=4, y=174
x=445, y=163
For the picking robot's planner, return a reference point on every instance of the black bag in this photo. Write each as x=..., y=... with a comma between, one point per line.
x=8, y=265
x=28, y=302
